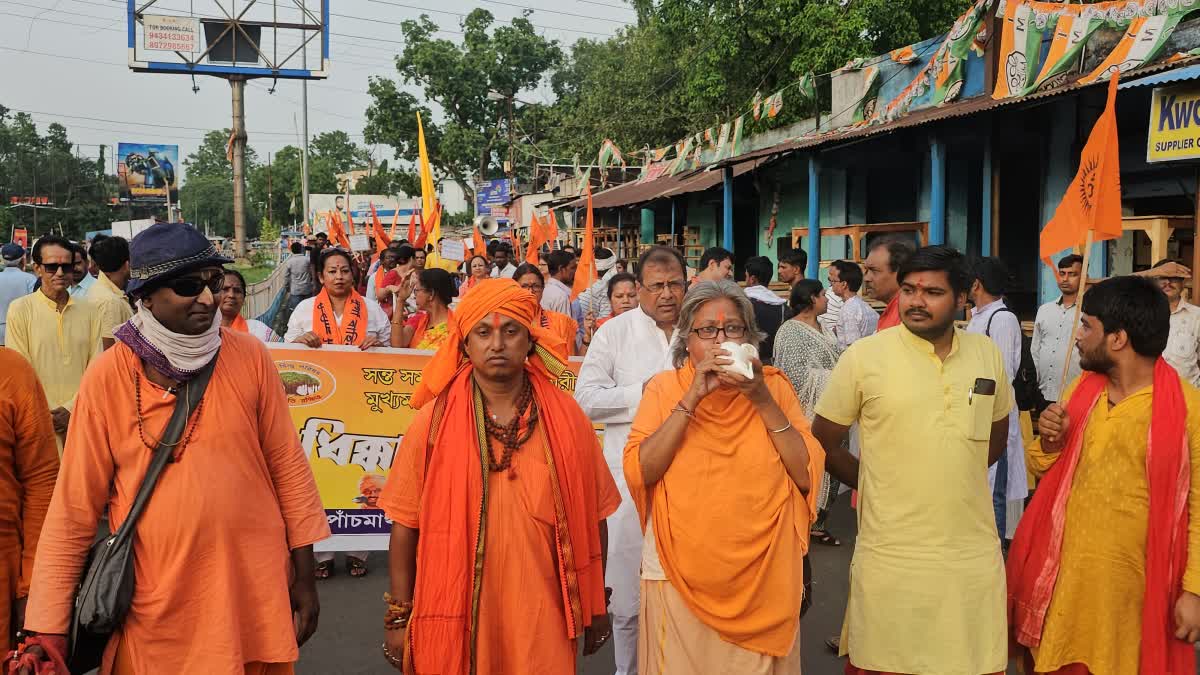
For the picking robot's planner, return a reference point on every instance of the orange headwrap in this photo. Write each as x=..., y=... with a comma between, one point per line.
x=503, y=296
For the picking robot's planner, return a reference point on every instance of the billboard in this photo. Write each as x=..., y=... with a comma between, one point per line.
x=491, y=197
x=1174, y=124
x=386, y=207
x=146, y=171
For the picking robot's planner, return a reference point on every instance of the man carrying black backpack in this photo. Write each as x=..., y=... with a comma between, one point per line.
x=992, y=317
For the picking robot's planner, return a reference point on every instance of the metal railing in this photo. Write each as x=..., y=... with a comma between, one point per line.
x=260, y=296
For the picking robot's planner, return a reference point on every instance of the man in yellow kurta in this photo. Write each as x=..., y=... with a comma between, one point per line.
x=927, y=580
x=1104, y=572
x=59, y=335
x=111, y=255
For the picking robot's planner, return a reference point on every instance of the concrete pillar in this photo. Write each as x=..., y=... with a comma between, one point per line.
x=985, y=220
x=647, y=226
x=727, y=238
x=814, y=218
x=937, y=191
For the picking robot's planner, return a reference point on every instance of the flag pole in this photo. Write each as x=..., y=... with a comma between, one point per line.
x=1083, y=278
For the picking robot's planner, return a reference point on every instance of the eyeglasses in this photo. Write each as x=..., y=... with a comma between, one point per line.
x=55, y=268
x=190, y=287
x=533, y=288
x=732, y=330
x=676, y=286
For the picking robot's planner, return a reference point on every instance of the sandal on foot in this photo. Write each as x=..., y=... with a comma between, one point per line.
x=823, y=537
x=356, y=566
x=323, y=570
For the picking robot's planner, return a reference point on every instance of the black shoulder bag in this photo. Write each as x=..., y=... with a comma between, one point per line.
x=105, y=590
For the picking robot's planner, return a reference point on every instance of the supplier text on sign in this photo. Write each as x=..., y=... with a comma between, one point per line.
x=1174, y=124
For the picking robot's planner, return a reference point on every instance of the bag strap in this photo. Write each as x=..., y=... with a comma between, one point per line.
x=988, y=331
x=185, y=406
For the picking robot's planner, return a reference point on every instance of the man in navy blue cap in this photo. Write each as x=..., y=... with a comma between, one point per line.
x=15, y=282
x=218, y=588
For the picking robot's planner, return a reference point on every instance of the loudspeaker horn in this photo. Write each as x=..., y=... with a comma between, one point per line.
x=488, y=226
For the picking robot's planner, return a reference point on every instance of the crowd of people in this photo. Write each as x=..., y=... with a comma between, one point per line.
x=734, y=416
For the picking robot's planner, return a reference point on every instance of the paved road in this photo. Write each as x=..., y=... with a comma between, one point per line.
x=348, y=640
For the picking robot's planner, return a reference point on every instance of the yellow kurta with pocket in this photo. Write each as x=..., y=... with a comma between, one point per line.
x=927, y=585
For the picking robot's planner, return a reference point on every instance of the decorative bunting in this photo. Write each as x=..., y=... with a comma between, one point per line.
x=775, y=105
x=757, y=107
x=864, y=110
x=904, y=55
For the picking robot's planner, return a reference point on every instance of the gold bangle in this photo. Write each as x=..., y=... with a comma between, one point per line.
x=780, y=431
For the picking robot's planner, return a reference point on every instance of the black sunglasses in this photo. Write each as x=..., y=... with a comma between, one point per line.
x=190, y=287
x=55, y=268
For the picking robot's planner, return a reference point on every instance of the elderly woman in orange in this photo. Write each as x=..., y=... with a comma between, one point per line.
x=722, y=468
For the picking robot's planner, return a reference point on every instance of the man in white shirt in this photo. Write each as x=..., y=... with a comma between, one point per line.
x=856, y=319
x=83, y=280
x=557, y=296
x=15, y=282
x=501, y=267
x=1183, y=343
x=1052, y=331
x=716, y=264
x=631, y=349
x=991, y=316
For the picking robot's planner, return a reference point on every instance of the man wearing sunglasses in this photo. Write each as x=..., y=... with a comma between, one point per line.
x=58, y=334
x=207, y=572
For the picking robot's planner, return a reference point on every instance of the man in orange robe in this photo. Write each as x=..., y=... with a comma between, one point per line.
x=223, y=562
x=504, y=482
x=28, y=466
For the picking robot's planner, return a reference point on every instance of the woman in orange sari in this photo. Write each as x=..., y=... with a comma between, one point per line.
x=429, y=326
x=478, y=269
x=531, y=279
x=721, y=468
x=231, y=299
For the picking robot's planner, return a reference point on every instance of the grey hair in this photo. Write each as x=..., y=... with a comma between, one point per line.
x=704, y=292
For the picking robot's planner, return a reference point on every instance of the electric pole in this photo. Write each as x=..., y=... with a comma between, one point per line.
x=270, y=208
x=238, y=84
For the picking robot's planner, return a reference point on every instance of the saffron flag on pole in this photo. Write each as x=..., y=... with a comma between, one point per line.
x=381, y=237
x=551, y=229
x=429, y=223
x=395, y=221
x=336, y=232
x=585, y=274
x=537, y=237
x=1093, y=199
x=412, y=224
x=478, y=247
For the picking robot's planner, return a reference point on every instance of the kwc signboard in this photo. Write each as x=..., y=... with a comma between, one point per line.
x=1174, y=124
x=172, y=33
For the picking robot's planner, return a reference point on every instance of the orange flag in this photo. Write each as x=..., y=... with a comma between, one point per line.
x=336, y=232
x=349, y=221
x=395, y=220
x=537, y=237
x=585, y=275
x=412, y=226
x=426, y=228
x=518, y=247
x=381, y=237
x=551, y=229
x=478, y=246
x=1093, y=199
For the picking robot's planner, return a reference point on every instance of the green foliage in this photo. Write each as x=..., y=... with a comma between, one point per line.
x=50, y=165
x=464, y=142
x=691, y=64
x=384, y=181
x=268, y=231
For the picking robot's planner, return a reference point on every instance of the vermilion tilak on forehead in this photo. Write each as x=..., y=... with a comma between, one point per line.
x=721, y=317
x=496, y=321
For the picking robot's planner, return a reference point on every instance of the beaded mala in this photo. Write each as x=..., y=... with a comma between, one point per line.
x=510, y=435
x=137, y=389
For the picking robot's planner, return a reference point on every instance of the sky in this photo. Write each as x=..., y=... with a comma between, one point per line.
x=66, y=61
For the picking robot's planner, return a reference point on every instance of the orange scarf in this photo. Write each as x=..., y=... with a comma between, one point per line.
x=239, y=324
x=1033, y=562
x=730, y=525
x=379, y=274
x=891, y=314
x=564, y=327
x=442, y=628
x=353, y=328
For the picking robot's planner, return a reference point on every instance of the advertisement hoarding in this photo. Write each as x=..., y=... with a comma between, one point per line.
x=145, y=172
x=491, y=198
x=1174, y=124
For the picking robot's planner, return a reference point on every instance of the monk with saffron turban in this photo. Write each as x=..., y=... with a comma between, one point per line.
x=503, y=482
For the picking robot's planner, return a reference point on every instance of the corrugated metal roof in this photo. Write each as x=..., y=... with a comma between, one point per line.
x=1177, y=75
x=659, y=188
x=953, y=110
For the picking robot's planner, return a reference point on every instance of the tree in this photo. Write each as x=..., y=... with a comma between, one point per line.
x=210, y=159
x=336, y=153
x=384, y=181
x=506, y=59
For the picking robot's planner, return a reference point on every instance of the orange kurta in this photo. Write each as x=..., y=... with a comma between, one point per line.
x=211, y=557
x=28, y=467
x=522, y=629
x=731, y=527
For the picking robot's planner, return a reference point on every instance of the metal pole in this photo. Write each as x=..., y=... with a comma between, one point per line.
x=238, y=84
x=937, y=191
x=304, y=128
x=813, y=270
x=511, y=148
x=727, y=240
x=270, y=209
